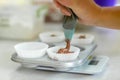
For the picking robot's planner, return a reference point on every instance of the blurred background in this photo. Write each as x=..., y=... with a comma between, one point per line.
x=25, y=19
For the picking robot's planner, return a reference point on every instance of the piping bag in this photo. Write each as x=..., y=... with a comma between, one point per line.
x=69, y=25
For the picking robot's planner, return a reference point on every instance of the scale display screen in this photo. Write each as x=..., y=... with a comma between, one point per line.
x=93, y=62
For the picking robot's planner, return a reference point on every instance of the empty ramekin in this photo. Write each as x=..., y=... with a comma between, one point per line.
x=52, y=53
x=52, y=37
x=31, y=49
x=85, y=39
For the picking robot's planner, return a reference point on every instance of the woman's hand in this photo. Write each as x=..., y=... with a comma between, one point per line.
x=87, y=11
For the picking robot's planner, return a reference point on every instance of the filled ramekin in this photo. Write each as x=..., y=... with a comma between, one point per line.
x=82, y=39
x=53, y=53
x=52, y=37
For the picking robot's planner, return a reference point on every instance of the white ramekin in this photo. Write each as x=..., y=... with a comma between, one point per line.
x=52, y=53
x=47, y=38
x=77, y=41
x=31, y=49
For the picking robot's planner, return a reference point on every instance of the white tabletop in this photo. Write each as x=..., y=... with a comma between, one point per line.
x=108, y=44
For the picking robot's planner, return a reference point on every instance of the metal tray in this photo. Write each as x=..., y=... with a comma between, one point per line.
x=46, y=62
x=94, y=65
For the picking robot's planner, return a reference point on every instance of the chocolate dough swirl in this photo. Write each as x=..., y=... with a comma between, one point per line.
x=82, y=37
x=66, y=49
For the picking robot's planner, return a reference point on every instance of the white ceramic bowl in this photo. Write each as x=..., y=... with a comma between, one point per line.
x=52, y=53
x=31, y=49
x=48, y=37
x=89, y=38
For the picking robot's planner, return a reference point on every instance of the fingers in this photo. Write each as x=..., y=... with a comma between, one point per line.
x=62, y=8
x=65, y=12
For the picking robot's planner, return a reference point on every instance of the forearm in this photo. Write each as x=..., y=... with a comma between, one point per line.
x=109, y=18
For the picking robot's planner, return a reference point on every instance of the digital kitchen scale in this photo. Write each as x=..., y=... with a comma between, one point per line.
x=86, y=63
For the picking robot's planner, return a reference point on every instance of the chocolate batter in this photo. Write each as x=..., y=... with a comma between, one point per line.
x=53, y=35
x=66, y=49
x=82, y=37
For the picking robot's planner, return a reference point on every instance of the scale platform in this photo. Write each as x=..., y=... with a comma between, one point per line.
x=86, y=63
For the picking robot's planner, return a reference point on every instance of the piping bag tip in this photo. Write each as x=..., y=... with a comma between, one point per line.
x=69, y=33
